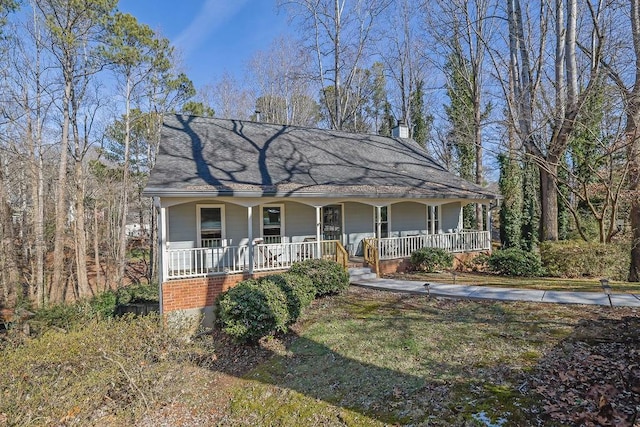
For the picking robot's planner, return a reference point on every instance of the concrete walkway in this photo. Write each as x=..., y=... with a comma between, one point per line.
x=498, y=294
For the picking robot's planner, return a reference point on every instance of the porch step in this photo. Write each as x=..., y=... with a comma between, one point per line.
x=361, y=273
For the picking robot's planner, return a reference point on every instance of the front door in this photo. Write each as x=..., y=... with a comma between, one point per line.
x=332, y=222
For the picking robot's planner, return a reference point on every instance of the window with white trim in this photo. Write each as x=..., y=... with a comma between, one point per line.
x=210, y=222
x=272, y=223
x=433, y=219
x=384, y=221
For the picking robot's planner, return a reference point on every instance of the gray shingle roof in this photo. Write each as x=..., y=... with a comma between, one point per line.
x=212, y=156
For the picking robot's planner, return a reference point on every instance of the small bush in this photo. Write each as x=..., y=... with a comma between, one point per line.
x=63, y=316
x=252, y=309
x=299, y=289
x=515, y=262
x=104, y=304
x=137, y=293
x=328, y=277
x=585, y=259
x=431, y=259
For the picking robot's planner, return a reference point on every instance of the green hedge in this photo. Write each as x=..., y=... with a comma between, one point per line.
x=585, y=259
x=327, y=276
x=431, y=259
x=515, y=262
x=299, y=290
x=252, y=309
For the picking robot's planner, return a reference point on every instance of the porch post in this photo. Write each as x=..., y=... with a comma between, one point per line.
x=318, y=229
x=379, y=222
x=432, y=225
x=488, y=226
x=163, y=246
x=250, y=236
x=461, y=217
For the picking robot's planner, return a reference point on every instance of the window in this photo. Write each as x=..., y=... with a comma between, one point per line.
x=210, y=221
x=273, y=223
x=433, y=219
x=384, y=221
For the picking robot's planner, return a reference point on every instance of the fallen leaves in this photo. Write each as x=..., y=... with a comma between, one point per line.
x=593, y=377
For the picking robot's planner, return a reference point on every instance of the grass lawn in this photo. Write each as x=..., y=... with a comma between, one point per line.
x=365, y=358
x=540, y=283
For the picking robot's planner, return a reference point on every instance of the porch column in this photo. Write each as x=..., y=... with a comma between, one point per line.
x=461, y=217
x=488, y=226
x=432, y=224
x=163, y=246
x=379, y=222
x=250, y=236
x=318, y=229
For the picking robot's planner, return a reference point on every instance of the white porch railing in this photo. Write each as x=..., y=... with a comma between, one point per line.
x=464, y=241
x=197, y=262
x=279, y=256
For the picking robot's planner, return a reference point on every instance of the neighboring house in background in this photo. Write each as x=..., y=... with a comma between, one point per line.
x=136, y=230
x=239, y=199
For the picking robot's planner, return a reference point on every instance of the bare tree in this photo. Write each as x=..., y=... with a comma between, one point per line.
x=465, y=30
x=229, y=98
x=530, y=89
x=340, y=35
x=71, y=26
x=281, y=85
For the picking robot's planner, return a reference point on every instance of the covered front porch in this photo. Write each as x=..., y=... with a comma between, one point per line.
x=201, y=238
x=199, y=262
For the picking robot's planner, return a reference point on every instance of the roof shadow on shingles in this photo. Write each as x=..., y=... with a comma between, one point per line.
x=226, y=154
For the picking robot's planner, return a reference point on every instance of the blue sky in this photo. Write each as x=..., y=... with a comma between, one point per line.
x=213, y=36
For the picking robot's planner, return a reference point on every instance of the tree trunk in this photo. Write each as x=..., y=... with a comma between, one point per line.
x=84, y=289
x=548, y=202
x=96, y=248
x=477, y=131
x=336, y=64
x=633, y=153
x=124, y=210
x=9, y=274
x=57, y=290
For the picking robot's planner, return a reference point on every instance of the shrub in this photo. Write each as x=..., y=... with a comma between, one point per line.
x=328, y=277
x=299, y=290
x=431, y=259
x=104, y=304
x=585, y=259
x=63, y=316
x=252, y=309
x=137, y=293
x=515, y=262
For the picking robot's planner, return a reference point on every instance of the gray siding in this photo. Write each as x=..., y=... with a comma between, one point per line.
x=408, y=218
x=449, y=215
x=300, y=221
x=358, y=225
x=235, y=224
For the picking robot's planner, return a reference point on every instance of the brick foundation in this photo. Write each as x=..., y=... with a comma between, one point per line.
x=391, y=266
x=200, y=292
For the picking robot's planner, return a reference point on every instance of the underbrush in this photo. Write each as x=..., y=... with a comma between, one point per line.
x=585, y=259
x=102, y=306
x=105, y=370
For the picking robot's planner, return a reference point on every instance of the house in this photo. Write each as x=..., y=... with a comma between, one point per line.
x=238, y=199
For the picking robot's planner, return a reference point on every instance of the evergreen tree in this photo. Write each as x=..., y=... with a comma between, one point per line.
x=510, y=183
x=421, y=122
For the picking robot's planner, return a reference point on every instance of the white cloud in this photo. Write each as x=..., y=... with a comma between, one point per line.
x=211, y=15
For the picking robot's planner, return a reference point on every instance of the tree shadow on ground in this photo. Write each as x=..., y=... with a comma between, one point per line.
x=436, y=393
